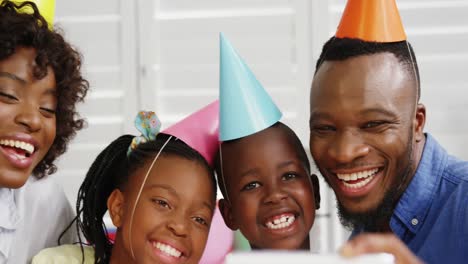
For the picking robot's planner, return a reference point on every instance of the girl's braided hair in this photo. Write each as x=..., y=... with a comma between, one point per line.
x=112, y=169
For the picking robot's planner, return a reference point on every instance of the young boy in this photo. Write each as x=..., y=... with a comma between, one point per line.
x=263, y=170
x=269, y=192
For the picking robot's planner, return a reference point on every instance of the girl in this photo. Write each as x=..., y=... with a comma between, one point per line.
x=160, y=194
x=40, y=85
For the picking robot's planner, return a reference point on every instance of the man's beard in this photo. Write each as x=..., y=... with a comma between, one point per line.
x=374, y=219
x=378, y=218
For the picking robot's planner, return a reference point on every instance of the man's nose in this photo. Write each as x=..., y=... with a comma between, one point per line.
x=347, y=146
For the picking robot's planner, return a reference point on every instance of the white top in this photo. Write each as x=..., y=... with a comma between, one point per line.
x=66, y=254
x=32, y=218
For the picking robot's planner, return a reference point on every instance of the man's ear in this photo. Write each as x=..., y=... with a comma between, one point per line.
x=419, y=122
x=226, y=212
x=316, y=187
x=115, y=204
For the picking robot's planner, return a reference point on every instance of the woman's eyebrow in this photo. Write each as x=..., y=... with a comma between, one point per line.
x=12, y=77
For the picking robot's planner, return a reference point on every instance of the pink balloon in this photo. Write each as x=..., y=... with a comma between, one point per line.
x=220, y=241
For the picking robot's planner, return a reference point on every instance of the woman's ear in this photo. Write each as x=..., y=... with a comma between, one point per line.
x=226, y=212
x=115, y=204
x=316, y=187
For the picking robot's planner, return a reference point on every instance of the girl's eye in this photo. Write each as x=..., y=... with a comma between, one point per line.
x=251, y=186
x=289, y=176
x=200, y=220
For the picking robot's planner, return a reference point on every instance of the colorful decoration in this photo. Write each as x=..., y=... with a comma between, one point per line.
x=245, y=106
x=46, y=8
x=200, y=131
x=240, y=242
x=149, y=126
x=220, y=241
x=371, y=20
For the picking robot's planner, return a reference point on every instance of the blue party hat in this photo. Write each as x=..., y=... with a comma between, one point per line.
x=245, y=106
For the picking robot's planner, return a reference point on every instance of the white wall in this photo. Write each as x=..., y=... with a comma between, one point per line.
x=103, y=32
x=163, y=55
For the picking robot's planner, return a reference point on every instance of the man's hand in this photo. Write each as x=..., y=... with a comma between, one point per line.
x=380, y=243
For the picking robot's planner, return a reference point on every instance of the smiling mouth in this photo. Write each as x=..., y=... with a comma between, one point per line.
x=357, y=180
x=280, y=221
x=20, y=149
x=167, y=249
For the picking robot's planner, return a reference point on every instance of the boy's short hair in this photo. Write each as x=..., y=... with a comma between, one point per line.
x=291, y=136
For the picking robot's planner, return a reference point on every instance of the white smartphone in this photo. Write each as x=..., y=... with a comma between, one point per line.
x=304, y=257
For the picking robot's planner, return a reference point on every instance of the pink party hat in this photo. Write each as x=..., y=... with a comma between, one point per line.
x=200, y=131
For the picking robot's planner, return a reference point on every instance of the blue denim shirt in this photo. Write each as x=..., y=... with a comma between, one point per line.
x=431, y=217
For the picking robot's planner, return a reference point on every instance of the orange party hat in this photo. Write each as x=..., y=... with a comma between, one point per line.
x=371, y=20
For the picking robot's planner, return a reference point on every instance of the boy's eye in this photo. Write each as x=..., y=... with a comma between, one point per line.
x=161, y=203
x=251, y=186
x=289, y=176
x=200, y=220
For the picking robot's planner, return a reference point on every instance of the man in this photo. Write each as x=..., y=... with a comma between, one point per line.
x=366, y=136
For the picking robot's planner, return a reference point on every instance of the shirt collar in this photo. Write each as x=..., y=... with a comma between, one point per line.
x=415, y=202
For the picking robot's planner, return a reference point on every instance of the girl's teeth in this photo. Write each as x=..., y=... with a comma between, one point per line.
x=167, y=249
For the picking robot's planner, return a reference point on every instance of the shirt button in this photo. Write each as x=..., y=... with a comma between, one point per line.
x=414, y=221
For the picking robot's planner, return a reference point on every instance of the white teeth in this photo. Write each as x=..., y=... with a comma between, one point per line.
x=29, y=148
x=167, y=249
x=282, y=222
x=367, y=176
x=358, y=184
x=356, y=175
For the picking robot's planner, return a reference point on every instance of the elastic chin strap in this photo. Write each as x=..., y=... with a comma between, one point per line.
x=414, y=66
x=403, y=182
x=139, y=194
x=222, y=172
